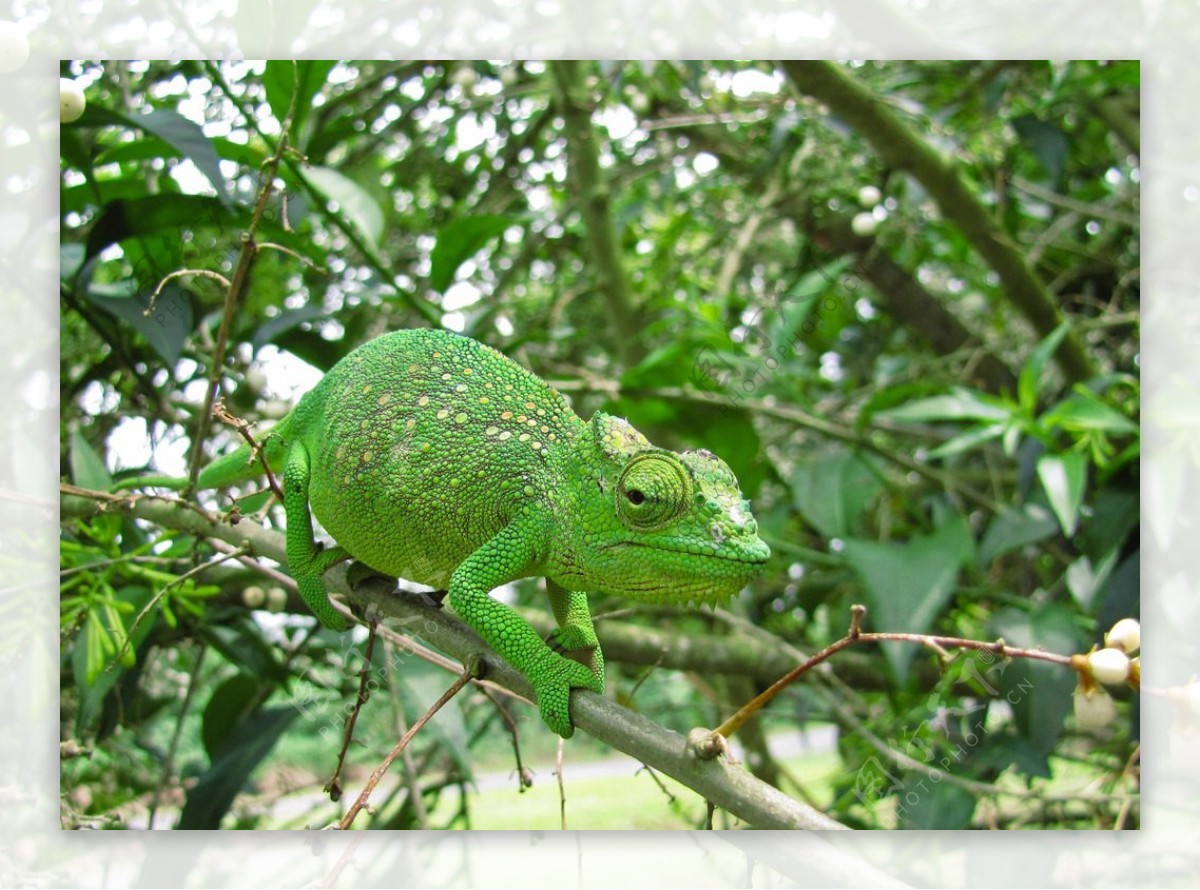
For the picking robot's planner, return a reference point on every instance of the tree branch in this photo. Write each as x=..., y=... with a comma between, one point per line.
x=729, y=787
x=899, y=147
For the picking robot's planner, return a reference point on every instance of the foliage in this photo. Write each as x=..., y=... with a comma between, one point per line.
x=702, y=247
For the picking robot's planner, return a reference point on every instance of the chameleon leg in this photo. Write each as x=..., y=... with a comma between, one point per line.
x=307, y=561
x=575, y=625
x=509, y=555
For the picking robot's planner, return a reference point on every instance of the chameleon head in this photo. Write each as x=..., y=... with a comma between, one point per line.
x=680, y=530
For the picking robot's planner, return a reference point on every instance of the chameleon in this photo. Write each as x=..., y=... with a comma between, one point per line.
x=429, y=456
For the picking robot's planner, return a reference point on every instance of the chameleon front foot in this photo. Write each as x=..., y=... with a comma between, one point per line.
x=554, y=692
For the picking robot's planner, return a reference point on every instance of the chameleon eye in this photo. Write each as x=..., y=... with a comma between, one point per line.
x=655, y=489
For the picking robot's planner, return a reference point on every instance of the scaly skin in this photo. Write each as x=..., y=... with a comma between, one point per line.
x=431, y=457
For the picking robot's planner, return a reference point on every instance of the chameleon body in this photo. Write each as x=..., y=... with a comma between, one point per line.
x=432, y=457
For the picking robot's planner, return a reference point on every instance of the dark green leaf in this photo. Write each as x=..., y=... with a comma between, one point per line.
x=832, y=490
x=1015, y=527
x=907, y=585
x=245, y=747
x=926, y=804
x=458, y=242
x=231, y=703
x=176, y=215
x=1048, y=143
x=174, y=129
x=165, y=329
x=1038, y=692
x=242, y=645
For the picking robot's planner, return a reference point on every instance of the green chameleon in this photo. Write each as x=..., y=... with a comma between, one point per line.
x=431, y=457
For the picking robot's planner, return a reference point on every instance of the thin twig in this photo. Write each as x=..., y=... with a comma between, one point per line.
x=334, y=787
x=998, y=647
x=237, y=285
x=463, y=679
x=169, y=759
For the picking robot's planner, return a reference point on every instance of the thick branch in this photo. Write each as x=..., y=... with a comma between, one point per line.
x=899, y=147
x=584, y=169
x=729, y=787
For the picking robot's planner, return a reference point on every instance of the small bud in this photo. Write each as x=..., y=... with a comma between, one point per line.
x=276, y=599
x=1125, y=635
x=1109, y=666
x=869, y=196
x=1094, y=708
x=864, y=224
x=71, y=101
x=254, y=597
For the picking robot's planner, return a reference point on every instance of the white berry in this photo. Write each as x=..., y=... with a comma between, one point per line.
x=14, y=47
x=869, y=196
x=70, y=100
x=1125, y=635
x=1109, y=666
x=864, y=224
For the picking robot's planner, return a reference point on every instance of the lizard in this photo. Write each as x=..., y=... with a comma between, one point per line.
x=429, y=456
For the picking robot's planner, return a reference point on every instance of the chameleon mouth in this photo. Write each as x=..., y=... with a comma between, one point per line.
x=754, y=559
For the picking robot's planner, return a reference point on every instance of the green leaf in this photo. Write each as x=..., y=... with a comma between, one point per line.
x=833, y=490
x=933, y=806
x=174, y=129
x=1083, y=412
x=242, y=645
x=1048, y=143
x=1064, y=478
x=305, y=77
x=173, y=214
x=354, y=202
x=87, y=467
x=1015, y=527
x=250, y=741
x=1031, y=373
x=907, y=585
x=165, y=329
x=959, y=404
x=459, y=241
x=1038, y=692
x=230, y=703
x=966, y=441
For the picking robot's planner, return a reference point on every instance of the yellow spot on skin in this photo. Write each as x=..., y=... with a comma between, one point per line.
x=443, y=414
x=366, y=389
x=384, y=399
x=460, y=418
x=541, y=412
x=531, y=422
x=530, y=405
x=423, y=401
x=524, y=437
x=366, y=458
x=545, y=429
x=535, y=445
x=506, y=415
x=483, y=400
x=505, y=435
x=491, y=431
x=462, y=387
x=446, y=376
x=425, y=448
x=468, y=372
x=520, y=418
x=412, y=421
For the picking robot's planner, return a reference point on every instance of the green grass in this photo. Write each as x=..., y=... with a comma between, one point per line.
x=631, y=799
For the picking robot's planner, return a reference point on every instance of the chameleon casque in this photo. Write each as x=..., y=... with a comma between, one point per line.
x=431, y=457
